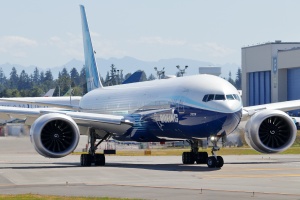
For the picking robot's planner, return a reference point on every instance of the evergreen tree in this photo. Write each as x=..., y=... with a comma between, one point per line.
x=238, y=79
x=48, y=76
x=64, y=81
x=14, y=78
x=24, y=81
x=42, y=77
x=83, y=80
x=107, y=80
x=3, y=82
x=48, y=81
x=230, y=80
x=36, y=76
x=11, y=93
x=75, y=78
x=36, y=92
x=151, y=77
x=77, y=91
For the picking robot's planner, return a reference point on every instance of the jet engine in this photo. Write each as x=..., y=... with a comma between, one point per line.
x=270, y=131
x=54, y=135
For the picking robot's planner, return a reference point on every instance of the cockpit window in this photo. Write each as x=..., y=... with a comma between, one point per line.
x=229, y=97
x=205, y=98
x=237, y=97
x=211, y=97
x=208, y=97
x=220, y=97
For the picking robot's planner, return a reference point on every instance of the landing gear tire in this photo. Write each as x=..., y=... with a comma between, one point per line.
x=99, y=159
x=211, y=162
x=201, y=158
x=220, y=162
x=85, y=160
x=188, y=158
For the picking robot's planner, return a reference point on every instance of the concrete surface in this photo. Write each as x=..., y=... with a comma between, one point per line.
x=22, y=170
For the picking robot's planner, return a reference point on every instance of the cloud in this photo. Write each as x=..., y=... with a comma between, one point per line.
x=16, y=46
x=157, y=40
x=72, y=45
x=213, y=49
x=12, y=41
x=69, y=45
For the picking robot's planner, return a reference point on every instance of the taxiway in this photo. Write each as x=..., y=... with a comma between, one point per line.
x=22, y=170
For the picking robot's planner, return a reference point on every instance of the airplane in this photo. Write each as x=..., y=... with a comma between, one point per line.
x=191, y=108
x=36, y=102
x=49, y=93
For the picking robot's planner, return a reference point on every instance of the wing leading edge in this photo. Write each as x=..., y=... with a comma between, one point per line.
x=109, y=123
x=283, y=106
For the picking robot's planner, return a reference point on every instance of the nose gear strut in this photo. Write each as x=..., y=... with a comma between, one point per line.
x=215, y=161
x=194, y=155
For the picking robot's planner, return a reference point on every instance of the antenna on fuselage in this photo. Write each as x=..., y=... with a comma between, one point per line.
x=91, y=70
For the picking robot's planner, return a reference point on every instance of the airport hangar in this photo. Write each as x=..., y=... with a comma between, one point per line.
x=271, y=73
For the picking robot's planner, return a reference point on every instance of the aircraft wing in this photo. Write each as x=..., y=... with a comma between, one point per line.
x=59, y=102
x=283, y=106
x=109, y=123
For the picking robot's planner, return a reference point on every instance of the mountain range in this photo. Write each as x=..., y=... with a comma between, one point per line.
x=130, y=65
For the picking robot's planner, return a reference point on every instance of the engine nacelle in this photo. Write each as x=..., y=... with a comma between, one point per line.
x=54, y=135
x=270, y=131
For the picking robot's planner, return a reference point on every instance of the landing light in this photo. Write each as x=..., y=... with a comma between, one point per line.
x=213, y=138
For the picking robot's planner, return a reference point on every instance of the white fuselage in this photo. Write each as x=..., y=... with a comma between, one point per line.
x=184, y=96
x=188, y=90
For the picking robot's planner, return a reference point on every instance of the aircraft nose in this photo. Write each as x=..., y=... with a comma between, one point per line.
x=234, y=106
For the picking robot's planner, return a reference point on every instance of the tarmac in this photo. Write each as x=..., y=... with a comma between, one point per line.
x=22, y=170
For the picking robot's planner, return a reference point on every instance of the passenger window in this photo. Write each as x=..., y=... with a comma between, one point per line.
x=229, y=97
x=220, y=97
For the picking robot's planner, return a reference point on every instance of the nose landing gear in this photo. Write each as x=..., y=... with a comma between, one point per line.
x=215, y=161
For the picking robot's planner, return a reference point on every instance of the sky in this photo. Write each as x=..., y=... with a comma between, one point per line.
x=48, y=33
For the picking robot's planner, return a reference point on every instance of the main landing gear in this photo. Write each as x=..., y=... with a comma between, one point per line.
x=92, y=157
x=193, y=156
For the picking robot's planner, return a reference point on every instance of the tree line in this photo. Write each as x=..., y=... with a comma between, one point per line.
x=39, y=82
x=238, y=79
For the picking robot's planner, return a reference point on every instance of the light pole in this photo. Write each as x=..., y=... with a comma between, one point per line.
x=160, y=73
x=181, y=71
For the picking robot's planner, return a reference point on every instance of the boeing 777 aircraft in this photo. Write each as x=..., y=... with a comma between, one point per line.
x=189, y=108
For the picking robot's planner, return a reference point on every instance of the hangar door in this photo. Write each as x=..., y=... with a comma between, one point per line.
x=293, y=83
x=259, y=88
